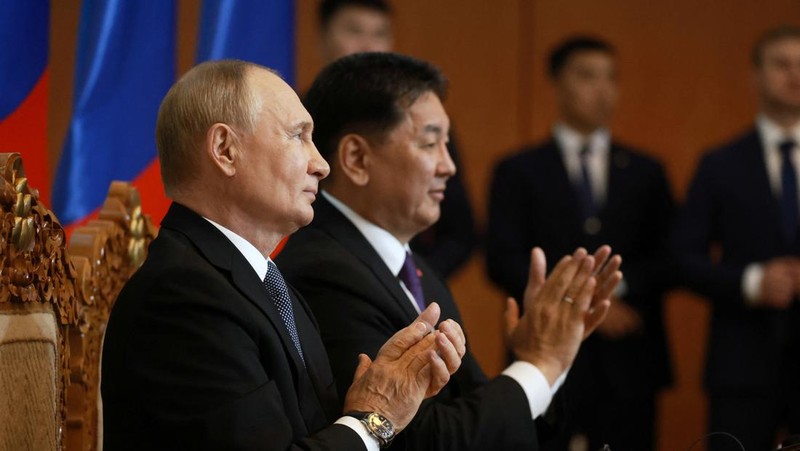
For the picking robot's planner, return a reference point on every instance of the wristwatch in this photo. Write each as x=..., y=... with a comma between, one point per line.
x=377, y=425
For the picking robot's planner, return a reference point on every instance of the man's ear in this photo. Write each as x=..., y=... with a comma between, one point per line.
x=353, y=157
x=221, y=147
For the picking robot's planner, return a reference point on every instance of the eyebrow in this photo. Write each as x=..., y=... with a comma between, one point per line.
x=433, y=129
x=302, y=126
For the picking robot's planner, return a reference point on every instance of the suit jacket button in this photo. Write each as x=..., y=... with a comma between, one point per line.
x=592, y=225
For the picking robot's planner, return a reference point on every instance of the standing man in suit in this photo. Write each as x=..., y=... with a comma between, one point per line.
x=380, y=122
x=743, y=203
x=352, y=26
x=207, y=347
x=581, y=188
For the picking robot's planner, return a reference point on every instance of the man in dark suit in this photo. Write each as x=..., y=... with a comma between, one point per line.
x=207, y=347
x=352, y=26
x=737, y=237
x=379, y=120
x=581, y=188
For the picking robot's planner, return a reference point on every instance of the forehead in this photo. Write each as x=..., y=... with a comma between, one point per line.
x=788, y=46
x=360, y=14
x=589, y=58
x=425, y=115
x=275, y=98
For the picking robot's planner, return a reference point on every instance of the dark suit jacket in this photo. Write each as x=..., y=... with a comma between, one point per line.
x=730, y=208
x=533, y=203
x=196, y=355
x=360, y=304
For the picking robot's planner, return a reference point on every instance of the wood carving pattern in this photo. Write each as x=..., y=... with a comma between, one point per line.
x=34, y=267
x=107, y=250
x=80, y=280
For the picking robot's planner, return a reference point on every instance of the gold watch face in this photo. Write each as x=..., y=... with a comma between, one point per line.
x=380, y=426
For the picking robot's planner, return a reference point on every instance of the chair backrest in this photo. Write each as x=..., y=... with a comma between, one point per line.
x=105, y=252
x=38, y=306
x=55, y=300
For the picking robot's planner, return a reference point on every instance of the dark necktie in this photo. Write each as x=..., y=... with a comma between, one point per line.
x=410, y=277
x=276, y=287
x=788, y=191
x=588, y=206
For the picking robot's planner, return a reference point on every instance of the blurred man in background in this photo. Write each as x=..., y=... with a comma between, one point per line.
x=581, y=188
x=738, y=241
x=352, y=26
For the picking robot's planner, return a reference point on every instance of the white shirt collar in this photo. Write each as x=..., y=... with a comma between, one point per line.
x=572, y=141
x=389, y=248
x=256, y=259
x=772, y=134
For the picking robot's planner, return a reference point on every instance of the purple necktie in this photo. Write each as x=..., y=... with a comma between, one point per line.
x=411, y=278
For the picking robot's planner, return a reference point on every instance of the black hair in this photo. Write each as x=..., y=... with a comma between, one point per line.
x=771, y=36
x=329, y=8
x=577, y=44
x=368, y=94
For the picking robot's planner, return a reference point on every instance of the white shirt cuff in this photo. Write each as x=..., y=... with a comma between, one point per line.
x=621, y=290
x=751, y=283
x=535, y=385
x=369, y=441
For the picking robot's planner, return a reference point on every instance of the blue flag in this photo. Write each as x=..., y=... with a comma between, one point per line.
x=260, y=31
x=125, y=65
x=24, y=87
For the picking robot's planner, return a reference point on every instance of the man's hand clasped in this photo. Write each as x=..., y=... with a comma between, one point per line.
x=413, y=365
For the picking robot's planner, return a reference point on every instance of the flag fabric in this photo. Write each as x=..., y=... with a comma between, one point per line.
x=24, y=85
x=125, y=65
x=260, y=31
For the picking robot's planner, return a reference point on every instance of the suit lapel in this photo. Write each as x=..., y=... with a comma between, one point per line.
x=220, y=252
x=617, y=180
x=321, y=408
x=248, y=283
x=761, y=188
x=330, y=220
x=558, y=179
x=436, y=291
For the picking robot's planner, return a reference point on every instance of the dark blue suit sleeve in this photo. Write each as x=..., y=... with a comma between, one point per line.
x=696, y=231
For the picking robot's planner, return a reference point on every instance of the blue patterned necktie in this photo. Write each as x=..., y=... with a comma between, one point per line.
x=276, y=287
x=789, y=208
x=410, y=277
x=588, y=206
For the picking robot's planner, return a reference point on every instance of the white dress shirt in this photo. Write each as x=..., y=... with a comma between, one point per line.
x=570, y=144
x=392, y=252
x=771, y=136
x=260, y=265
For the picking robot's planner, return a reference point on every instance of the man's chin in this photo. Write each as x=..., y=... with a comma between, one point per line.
x=299, y=222
x=430, y=220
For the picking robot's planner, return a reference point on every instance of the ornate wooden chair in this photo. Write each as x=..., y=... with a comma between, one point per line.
x=105, y=253
x=38, y=307
x=54, y=305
